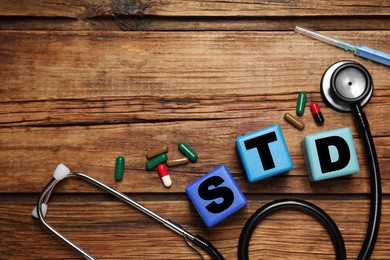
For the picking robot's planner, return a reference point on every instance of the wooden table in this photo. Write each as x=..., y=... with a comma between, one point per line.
x=82, y=82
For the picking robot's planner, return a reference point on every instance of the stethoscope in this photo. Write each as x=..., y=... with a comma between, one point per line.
x=345, y=86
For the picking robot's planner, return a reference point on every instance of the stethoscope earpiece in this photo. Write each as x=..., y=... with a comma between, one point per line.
x=346, y=83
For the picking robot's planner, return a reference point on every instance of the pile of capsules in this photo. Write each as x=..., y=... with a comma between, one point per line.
x=300, y=109
x=158, y=157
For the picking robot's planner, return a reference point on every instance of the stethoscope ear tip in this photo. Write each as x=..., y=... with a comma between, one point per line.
x=44, y=211
x=61, y=172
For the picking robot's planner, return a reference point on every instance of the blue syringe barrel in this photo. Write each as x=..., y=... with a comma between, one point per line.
x=373, y=54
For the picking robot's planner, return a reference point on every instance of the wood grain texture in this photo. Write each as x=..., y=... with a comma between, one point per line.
x=94, y=8
x=75, y=88
x=71, y=100
x=111, y=230
x=153, y=23
x=58, y=24
x=87, y=64
x=160, y=23
x=32, y=154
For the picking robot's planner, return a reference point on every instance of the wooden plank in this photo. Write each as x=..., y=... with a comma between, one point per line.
x=29, y=156
x=147, y=23
x=157, y=23
x=109, y=229
x=56, y=8
x=93, y=8
x=167, y=64
x=153, y=109
x=57, y=24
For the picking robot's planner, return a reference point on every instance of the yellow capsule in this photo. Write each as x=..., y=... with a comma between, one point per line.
x=156, y=151
x=295, y=121
x=177, y=161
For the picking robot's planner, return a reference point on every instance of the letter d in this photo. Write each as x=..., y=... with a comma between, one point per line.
x=324, y=147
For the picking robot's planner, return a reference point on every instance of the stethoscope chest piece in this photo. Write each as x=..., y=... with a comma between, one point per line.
x=346, y=83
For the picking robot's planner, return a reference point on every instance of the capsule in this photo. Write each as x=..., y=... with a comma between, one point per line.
x=301, y=102
x=295, y=121
x=317, y=115
x=119, y=167
x=164, y=175
x=156, y=151
x=177, y=161
x=187, y=151
x=152, y=163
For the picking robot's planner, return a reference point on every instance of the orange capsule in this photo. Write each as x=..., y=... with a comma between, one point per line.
x=156, y=151
x=295, y=121
x=177, y=161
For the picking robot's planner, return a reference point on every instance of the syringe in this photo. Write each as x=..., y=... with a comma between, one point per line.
x=362, y=51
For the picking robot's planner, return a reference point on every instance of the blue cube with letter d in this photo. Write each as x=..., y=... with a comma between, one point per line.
x=330, y=154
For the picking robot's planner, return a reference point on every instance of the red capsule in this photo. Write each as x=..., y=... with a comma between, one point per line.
x=315, y=108
x=317, y=115
x=162, y=170
x=164, y=175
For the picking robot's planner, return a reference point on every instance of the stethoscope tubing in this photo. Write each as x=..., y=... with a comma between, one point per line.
x=375, y=182
x=301, y=205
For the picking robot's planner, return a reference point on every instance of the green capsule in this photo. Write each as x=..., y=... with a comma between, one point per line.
x=119, y=168
x=152, y=163
x=301, y=102
x=187, y=151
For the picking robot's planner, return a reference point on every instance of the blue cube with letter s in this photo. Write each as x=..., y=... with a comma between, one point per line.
x=216, y=195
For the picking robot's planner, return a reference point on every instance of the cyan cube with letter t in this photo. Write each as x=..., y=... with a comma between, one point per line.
x=330, y=154
x=264, y=153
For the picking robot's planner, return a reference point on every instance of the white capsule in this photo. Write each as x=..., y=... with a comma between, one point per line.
x=166, y=180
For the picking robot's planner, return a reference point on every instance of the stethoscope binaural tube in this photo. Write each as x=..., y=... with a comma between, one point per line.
x=345, y=86
x=62, y=172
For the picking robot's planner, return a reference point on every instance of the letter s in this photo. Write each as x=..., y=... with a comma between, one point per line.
x=219, y=192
